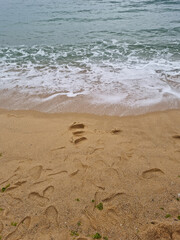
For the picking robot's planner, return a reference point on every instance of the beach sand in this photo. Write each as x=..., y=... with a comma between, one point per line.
x=57, y=172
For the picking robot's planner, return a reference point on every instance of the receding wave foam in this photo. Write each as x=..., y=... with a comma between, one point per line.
x=109, y=72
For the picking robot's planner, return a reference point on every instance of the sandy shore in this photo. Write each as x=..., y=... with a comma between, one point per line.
x=79, y=176
x=91, y=104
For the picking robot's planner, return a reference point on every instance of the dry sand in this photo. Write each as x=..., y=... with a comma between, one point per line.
x=55, y=169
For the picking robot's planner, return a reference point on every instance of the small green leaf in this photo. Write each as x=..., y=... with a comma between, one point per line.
x=178, y=217
x=79, y=223
x=1, y=209
x=93, y=200
x=162, y=208
x=177, y=199
x=100, y=206
x=77, y=199
x=14, y=224
x=97, y=236
x=105, y=238
x=74, y=233
x=167, y=216
x=4, y=188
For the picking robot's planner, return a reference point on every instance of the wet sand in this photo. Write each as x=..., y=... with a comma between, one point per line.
x=92, y=104
x=71, y=176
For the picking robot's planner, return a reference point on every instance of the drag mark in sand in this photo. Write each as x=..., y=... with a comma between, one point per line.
x=176, y=136
x=57, y=173
x=59, y=148
x=116, y=131
x=112, y=196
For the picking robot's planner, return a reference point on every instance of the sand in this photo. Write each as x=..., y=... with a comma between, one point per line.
x=57, y=172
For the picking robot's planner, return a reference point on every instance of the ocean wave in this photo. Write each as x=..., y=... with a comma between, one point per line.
x=123, y=72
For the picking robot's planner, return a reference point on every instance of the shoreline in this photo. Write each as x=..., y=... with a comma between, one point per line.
x=37, y=113
x=40, y=114
x=54, y=165
x=54, y=103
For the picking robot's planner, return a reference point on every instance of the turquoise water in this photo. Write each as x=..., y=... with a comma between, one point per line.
x=118, y=52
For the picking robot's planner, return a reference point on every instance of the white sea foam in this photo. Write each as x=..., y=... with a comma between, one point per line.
x=126, y=83
x=108, y=76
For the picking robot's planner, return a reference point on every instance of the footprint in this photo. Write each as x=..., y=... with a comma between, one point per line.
x=111, y=214
x=52, y=215
x=21, y=230
x=35, y=172
x=11, y=200
x=78, y=140
x=154, y=172
x=162, y=231
x=78, y=133
x=24, y=225
x=77, y=125
x=10, y=178
x=90, y=219
x=48, y=191
x=40, y=200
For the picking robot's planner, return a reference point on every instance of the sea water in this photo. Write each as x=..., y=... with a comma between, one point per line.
x=111, y=52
